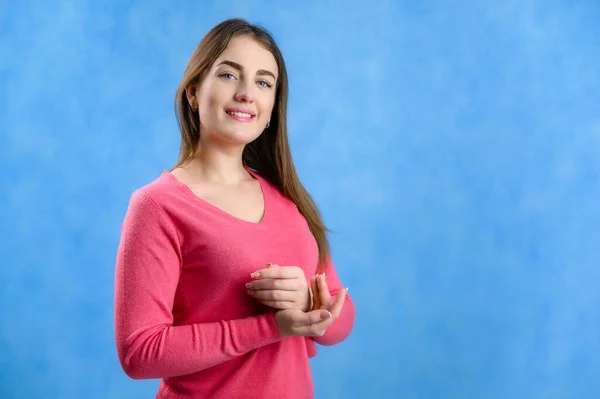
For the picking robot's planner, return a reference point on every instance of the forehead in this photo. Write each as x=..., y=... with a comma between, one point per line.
x=248, y=53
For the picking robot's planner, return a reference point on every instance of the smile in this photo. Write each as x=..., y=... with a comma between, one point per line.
x=241, y=116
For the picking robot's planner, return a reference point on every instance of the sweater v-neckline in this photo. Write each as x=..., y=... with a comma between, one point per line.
x=188, y=191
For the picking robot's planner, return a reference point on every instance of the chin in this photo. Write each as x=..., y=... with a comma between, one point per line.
x=239, y=136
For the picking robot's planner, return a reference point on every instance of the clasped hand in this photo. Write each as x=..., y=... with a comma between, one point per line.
x=300, y=313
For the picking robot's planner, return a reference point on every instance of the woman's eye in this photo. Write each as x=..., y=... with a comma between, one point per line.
x=227, y=75
x=264, y=83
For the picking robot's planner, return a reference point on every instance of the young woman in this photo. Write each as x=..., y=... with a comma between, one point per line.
x=216, y=288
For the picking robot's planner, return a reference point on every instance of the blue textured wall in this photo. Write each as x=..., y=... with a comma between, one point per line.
x=454, y=148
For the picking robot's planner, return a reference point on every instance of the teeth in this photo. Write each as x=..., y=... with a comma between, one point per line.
x=242, y=114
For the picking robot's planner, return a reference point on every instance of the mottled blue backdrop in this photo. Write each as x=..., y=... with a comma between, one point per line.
x=454, y=148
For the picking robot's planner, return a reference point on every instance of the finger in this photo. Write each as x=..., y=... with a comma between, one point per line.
x=324, y=294
x=313, y=294
x=273, y=295
x=276, y=271
x=315, y=290
x=336, y=308
x=316, y=329
x=282, y=305
x=275, y=284
x=259, y=273
x=312, y=317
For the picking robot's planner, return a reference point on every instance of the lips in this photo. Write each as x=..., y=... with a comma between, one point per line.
x=240, y=114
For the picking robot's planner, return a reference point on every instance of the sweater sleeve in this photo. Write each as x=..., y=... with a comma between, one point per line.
x=148, y=266
x=340, y=329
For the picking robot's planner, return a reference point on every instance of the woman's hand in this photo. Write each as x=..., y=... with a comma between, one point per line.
x=293, y=322
x=320, y=291
x=281, y=287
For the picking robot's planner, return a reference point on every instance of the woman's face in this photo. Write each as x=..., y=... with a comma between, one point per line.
x=236, y=97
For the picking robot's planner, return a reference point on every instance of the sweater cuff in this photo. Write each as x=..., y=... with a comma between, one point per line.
x=271, y=329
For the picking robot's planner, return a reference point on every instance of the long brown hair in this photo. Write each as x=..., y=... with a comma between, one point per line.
x=269, y=155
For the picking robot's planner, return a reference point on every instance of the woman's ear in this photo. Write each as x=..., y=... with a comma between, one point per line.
x=190, y=93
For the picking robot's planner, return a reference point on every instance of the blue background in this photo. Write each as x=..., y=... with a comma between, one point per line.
x=454, y=149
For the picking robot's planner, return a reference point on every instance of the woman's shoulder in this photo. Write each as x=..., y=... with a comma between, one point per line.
x=160, y=191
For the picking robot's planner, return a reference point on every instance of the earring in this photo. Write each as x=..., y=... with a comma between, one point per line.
x=268, y=124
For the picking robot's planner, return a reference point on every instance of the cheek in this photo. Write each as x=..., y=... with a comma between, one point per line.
x=215, y=96
x=268, y=106
x=211, y=100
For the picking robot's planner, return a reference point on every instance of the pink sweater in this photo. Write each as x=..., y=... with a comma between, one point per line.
x=182, y=313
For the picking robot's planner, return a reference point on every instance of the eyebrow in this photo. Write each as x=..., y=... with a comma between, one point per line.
x=240, y=68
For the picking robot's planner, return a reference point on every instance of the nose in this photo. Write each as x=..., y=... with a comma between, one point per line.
x=245, y=92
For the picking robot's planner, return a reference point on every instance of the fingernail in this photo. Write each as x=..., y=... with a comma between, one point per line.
x=249, y=285
x=325, y=316
x=250, y=292
x=269, y=265
x=255, y=275
x=347, y=289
